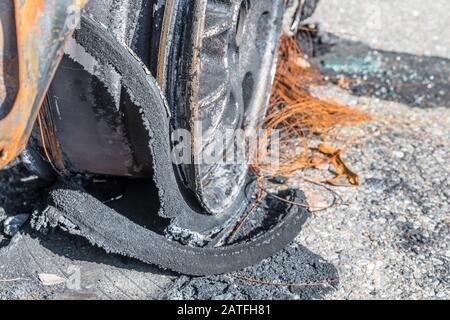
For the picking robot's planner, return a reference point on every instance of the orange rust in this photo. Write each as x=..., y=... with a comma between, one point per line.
x=38, y=48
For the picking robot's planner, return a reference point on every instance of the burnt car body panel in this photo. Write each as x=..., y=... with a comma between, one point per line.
x=41, y=28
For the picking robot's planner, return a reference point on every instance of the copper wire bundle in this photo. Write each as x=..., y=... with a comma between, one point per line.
x=302, y=120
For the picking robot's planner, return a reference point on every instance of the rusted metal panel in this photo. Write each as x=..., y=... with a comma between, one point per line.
x=41, y=26
x=9, y=68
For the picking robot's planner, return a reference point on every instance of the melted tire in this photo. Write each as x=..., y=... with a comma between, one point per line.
x=114, y=233
x=102, y=226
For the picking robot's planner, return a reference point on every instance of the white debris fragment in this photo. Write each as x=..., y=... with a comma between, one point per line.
x=12, y=224
x=48, y=279
x=30, y=178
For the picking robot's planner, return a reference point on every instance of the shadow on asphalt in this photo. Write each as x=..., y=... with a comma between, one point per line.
x=78, y=249
x=417, y=81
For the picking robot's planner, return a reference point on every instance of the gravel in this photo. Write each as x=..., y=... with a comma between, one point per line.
x=393, y=239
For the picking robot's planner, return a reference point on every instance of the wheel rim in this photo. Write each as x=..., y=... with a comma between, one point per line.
x=233, y=42
x=233, y=71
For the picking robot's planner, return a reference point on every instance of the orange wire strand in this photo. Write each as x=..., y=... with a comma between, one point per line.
x=299, y=117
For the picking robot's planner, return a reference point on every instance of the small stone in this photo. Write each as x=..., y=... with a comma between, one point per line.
x=399, y=154
x=13, y=224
